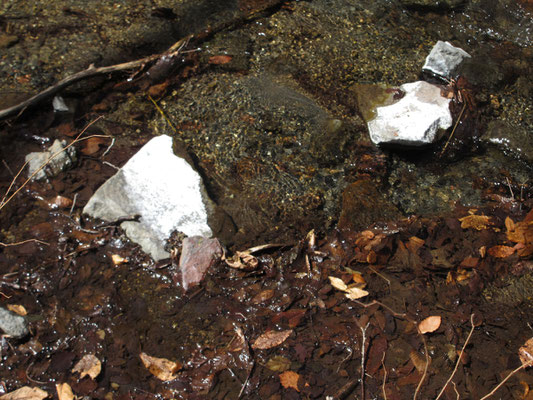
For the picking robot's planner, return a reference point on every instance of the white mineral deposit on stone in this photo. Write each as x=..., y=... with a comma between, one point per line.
x=163, y=189
x=444, y=59
x=50, y=162
x=415, y=119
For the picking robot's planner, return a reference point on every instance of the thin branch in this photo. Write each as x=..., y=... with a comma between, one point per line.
x=460, y=357
x=505, y=380
x=91, y=71
x=22, y=242
x=384, y=376
x=52, y=156
x=425, y=367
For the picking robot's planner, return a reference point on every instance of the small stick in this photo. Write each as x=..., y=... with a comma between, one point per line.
x=425, y=367
x=73, y=204
x=174, y=50
x=460, y=357
x=510, y=188
x=453, y=130
x=22, y=242
x=384, y=376
x=529, y=364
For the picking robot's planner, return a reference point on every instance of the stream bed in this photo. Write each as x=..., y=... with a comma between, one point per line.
x=263, y=101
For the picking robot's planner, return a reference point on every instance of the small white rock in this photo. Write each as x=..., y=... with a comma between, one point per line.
x=415, y=119
x=59, y=104
x=50, y=162
x=444, y=59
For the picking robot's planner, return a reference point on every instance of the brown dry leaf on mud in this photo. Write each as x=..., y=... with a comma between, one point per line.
x=88, y=365
x=92, y=145
x=64, y=391
x=17, y=309
x=355, y=293
x=501, y=251
x=337, y=283
x=242, y=260
x=118, y=259
x=521, y=233
x=289, y=379
x=430, y=324
x=478, y=222
x=25, y=393
x=161, y=368
x=526, y=353
x=220, y=59
x=271, y=339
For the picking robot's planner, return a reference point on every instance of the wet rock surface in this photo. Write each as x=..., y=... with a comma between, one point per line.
x=161, y=190
x=13, y=325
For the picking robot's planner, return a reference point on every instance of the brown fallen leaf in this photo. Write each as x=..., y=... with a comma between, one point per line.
x=118, y=259
x=88, y=365
x=500, y=251
x=526, y=353
x=358, y=278
x=430, y=324
x=17, y=309
x=64, y=391
x=355, y=293
x=289, y=379
x=478, y=222
x=92, y=145
x=62, y=201
x=220, y=59
x=161, y=368
x=242, y=260
x=271, y=339
x=337, y=283
x=278, y=364
x=418, y=361
x=263, y=296
x=25, y=393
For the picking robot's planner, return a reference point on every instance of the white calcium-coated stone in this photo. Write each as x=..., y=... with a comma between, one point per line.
x=163, y=189
x=444, y=59
x=47, y=164
x=415, y=119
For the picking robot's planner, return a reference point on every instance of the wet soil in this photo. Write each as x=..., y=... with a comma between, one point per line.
x=266, y=112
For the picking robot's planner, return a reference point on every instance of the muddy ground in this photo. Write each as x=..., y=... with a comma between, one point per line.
x=459, y=248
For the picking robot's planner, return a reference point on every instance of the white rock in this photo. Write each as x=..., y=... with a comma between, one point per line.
x=59, y=104
x=49, y=163
x=12, y=324
x=163, y=189
x=444, y=59
x=415, y=119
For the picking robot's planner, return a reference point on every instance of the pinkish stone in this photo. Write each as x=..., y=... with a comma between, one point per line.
x=198, y=254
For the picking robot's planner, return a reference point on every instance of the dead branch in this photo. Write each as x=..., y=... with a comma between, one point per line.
x=173, y=51
x=459, y=359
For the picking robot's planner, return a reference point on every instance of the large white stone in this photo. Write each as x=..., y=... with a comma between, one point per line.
x=163, y=189
x=415, y=119
x=444, y=59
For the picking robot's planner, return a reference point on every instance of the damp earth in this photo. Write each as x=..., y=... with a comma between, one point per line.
x=263, y=102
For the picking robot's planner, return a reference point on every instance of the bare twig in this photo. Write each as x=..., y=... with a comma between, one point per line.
x=505, y=380
x=78, y=139
x=425, y=367
x=453, y=130
x=91, y=71
x=22, y=242
x=363, y=330
x=384, y=376
x=460, y=357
